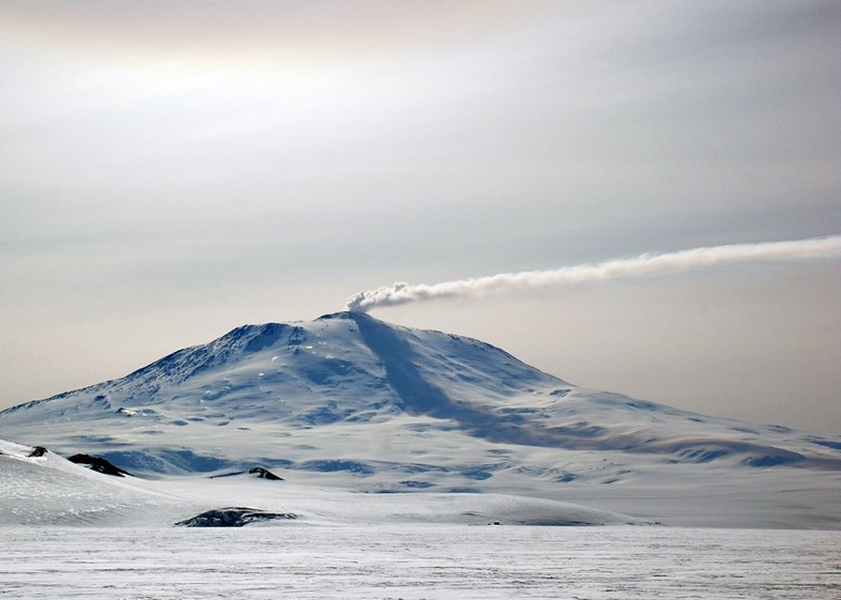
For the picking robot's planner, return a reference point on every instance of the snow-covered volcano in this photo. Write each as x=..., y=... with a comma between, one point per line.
x=351, y=401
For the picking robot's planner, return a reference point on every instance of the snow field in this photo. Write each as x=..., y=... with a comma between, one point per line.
x=419, y=562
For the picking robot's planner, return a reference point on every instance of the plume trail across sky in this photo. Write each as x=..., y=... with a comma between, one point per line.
x=639, y=266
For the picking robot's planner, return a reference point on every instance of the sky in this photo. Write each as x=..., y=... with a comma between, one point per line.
x=171, y=170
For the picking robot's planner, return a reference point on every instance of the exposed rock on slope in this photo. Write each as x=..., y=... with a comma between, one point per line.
x=233, y=517
x=98, y=464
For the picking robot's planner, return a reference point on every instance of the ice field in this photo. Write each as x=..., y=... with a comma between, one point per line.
x=415, y=562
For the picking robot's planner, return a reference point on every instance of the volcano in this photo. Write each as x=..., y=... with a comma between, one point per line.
x=353, y=402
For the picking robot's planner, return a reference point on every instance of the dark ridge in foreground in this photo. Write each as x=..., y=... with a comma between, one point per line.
x=233, y=517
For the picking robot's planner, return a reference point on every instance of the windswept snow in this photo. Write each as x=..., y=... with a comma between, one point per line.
x=419, y=562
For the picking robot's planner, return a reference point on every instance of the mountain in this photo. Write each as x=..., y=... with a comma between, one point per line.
x=352, y=402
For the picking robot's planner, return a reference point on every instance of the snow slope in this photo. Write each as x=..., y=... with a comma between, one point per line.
x=348, y=401
x=49, y=490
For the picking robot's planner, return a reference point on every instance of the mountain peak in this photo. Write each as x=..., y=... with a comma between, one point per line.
x=347, y=358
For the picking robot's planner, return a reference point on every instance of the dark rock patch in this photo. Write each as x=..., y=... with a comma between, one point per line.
x=258, y=472
x=233, y=517
x=100, y=465
x=262, y=473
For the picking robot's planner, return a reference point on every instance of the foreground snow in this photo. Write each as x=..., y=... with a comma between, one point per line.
x=417, y=562
x=68, y=532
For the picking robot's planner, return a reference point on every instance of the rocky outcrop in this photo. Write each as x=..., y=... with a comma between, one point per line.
x=262, y=473
x=100, y=465
x=256, y=472
x=233, y=517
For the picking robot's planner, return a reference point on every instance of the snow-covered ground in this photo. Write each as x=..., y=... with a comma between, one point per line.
x=419, y=562
x=49, y=490
x=69, y=532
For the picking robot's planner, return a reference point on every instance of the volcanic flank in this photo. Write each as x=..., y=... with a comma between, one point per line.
x=351, y=401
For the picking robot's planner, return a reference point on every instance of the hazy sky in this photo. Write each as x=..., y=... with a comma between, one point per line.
x=170, y=170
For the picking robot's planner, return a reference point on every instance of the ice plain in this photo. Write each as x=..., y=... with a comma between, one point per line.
x=419, y=562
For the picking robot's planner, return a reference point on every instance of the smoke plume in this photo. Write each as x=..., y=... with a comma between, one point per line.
x=640, y=266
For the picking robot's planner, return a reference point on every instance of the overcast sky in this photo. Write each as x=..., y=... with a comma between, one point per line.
x=171, y=170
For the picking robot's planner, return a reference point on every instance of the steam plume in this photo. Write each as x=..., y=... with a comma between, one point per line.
x=643, y=265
